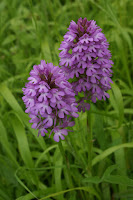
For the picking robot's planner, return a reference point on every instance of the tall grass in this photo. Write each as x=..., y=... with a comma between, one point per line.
x=32, y=167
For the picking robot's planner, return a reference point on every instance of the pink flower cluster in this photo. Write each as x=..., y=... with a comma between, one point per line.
x=85, y=59
x=50, y=100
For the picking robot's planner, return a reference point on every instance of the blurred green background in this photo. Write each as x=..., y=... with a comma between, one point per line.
x=32, y=167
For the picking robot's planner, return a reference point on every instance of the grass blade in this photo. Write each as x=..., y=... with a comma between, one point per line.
x=87, y=189
x=109, y=151
x=5, y=143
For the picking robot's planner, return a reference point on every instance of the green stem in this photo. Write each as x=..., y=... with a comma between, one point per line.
x=90, y=142
x=67, y=172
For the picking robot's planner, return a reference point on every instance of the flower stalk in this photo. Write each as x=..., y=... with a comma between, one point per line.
x=67, y=172
x=90, y=141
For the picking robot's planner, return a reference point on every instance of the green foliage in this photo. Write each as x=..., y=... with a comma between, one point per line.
x=32, y=167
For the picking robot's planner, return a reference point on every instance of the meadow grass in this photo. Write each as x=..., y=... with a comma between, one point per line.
x=32, y=167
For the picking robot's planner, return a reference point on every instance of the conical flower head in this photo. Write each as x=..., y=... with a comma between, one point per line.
x=85, y=58
x=49, y=100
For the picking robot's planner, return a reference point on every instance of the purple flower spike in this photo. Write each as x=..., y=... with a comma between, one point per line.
x=49, y=100
x=85, y=59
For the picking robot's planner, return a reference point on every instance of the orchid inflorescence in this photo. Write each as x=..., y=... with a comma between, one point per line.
x=50, y=100
x=85, y=61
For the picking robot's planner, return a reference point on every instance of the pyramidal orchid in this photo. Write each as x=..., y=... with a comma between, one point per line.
x=50, y=100
x=86, y=61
